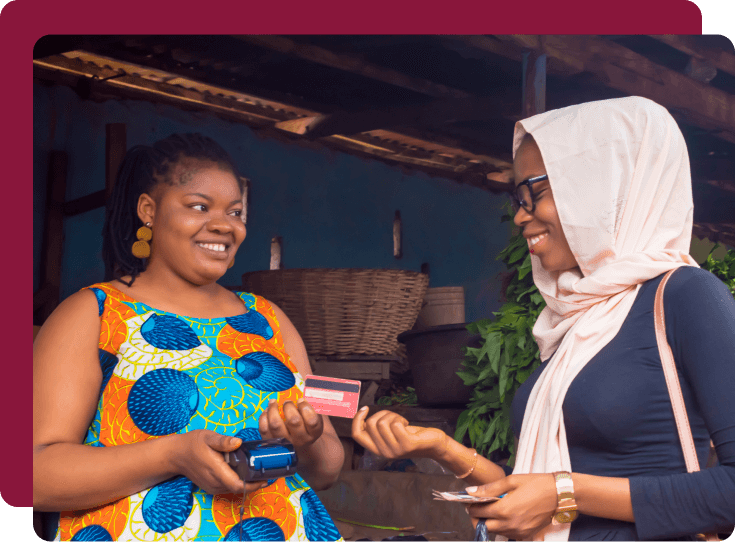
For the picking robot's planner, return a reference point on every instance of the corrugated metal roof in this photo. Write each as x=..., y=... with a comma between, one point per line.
x=445, y=105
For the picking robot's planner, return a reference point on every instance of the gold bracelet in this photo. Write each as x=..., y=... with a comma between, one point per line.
x=475, y=462
x=567, y=508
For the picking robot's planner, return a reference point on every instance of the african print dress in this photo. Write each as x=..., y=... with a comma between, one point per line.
x=164, y=374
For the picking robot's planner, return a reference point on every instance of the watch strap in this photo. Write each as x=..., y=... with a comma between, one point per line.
x=565, y=497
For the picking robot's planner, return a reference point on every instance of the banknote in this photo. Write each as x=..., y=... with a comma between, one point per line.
x=462, y=496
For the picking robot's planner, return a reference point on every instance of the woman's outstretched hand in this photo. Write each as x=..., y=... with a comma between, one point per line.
x=301, y=424
x=389, y=435
x=530, y=502
x=199, y=457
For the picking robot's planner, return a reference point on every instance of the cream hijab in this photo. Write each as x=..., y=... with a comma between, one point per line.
x=620, y=176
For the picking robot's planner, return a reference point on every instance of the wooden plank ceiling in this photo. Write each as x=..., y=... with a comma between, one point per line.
x=444, y=105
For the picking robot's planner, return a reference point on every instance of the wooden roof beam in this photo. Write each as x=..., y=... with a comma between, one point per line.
x=418, y=116
x=353, y=64
x=398, y=149
x=100, y=83
x=461, y=171
x=513, y=51
x=623, y=69
x=722, y=60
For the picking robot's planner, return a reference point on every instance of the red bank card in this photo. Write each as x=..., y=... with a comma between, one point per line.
x=332, y=396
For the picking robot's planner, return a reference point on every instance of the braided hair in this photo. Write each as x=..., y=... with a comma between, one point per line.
x=143, y=168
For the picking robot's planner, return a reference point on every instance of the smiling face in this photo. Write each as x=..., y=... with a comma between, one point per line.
x=196, y=221
x=541, y=228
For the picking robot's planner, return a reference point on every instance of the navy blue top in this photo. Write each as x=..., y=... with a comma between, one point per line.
x=619, y=420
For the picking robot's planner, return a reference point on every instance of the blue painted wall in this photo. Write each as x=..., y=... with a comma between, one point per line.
x=330, y=208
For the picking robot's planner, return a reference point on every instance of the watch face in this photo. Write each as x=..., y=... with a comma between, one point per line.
x=566, y=516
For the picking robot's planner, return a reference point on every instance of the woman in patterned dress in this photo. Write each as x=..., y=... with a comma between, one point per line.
x=143, y=383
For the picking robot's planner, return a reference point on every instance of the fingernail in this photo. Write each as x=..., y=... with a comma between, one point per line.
x=471, y=489
x=467, y=511
x=364, y=409
x=271, y=401
x=234, y=441
x=302, y=400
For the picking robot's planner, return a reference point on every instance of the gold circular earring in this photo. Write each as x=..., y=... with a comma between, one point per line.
x=141, y=248
x=232, y=262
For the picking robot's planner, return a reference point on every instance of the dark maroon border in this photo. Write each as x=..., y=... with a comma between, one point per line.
x=22, y=22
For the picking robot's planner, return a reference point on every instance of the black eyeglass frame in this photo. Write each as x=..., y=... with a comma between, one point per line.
x=516, y=202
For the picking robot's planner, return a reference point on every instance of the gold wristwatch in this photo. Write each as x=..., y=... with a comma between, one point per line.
x=567, y=508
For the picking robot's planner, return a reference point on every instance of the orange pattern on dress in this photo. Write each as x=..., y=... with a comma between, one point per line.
x=117, y=427
x=113, y=329
x=112, y=517
x=270, y=502
x=236, y=344
x=293, y=394
x=226, y=510
x=264, y=307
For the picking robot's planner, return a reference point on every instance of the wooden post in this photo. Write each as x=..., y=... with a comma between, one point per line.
x=398, y=249
x=276, y=253
x=53, y=235
x=534, y=83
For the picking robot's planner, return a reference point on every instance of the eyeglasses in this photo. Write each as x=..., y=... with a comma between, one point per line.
x=523, y=195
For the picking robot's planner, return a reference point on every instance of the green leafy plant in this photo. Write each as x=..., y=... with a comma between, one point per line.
x=723, y=269
x=399, y=397
x=507, y=356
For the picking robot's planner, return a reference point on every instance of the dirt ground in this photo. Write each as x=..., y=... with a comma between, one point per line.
x=399, y=500
x=352, y=533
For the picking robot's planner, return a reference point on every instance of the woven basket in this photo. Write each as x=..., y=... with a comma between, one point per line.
x=344, y=311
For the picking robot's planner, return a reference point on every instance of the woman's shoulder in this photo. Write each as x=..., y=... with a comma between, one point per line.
x=85, y=298
x=686, y=281
x=691, y=286
x=696, y=302
x=257, y=302
x=78, y=313
x=249, y=299
x=691, y=293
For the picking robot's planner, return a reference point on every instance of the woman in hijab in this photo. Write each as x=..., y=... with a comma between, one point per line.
x=604, y=199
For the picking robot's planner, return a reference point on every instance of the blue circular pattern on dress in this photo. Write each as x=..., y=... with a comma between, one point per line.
x=101, y=296
x=169, y=333
x=252, y=322
x=256, y=529
x=162, y=401
x=249, y=434
x=107, y=364
x=317, y=522
x=167, y=505
x=264, y=372
x=92, y=532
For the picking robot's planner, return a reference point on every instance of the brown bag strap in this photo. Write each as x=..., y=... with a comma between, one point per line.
x=673, y=385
